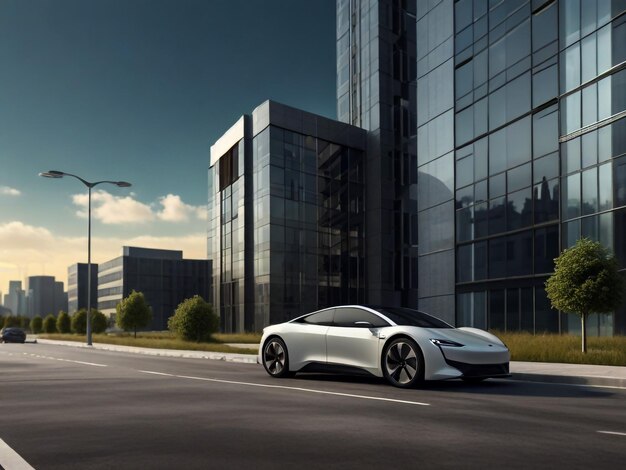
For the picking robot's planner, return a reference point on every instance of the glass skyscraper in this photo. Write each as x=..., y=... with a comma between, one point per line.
x=520, y=113
x=496, y=137
x=286, y=222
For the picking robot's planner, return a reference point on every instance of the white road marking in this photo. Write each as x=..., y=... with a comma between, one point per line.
x=613, y=432
x=66, y=360
x=298, y=389
x=11, y=460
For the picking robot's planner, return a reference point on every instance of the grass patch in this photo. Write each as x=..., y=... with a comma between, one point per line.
x=610, y=351
x=246, y=338
x=156, y=340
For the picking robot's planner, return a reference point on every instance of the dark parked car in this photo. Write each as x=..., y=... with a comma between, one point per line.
x=13, y=335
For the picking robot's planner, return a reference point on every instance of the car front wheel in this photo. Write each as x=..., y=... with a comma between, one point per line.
x=276, y=358
x=403, y=363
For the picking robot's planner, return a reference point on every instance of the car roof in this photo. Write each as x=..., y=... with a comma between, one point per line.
x=362, y=307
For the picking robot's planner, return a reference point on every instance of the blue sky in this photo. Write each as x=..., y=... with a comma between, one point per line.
x=137, y=90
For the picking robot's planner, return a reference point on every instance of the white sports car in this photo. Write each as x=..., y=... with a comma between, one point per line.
x=403, y=345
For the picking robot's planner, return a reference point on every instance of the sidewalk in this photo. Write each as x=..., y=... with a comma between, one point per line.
x=573, y=374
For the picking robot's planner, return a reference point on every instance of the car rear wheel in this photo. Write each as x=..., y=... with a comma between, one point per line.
x=276, y=358
x=403, y=363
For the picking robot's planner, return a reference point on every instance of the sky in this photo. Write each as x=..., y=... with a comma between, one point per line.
x=137, y=90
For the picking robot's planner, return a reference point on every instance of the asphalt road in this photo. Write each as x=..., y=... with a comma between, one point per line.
x=71, y=408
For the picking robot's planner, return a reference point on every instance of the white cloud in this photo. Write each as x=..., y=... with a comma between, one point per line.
x=175, y=210
x=26, y=250
x=8, y=191
x=110, y=209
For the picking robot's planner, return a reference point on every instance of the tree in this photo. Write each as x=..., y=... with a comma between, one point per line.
x=585, y=280
x=99, y=321
x=79, y=321
x=133, y=312
x=194, y=320
x=64, y=322
x=12, y=321
x=50, y=324
x=36, y=324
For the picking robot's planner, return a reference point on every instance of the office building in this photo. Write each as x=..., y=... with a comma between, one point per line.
x=496, y=137
x=77, y=286
x=163, y=276
x=15, y=299
x=286, y=231
x=45, y=296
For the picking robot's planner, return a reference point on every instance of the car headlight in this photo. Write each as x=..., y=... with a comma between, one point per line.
x=446, y=342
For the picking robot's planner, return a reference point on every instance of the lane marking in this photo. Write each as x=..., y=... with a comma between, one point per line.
x=284, y=387
x=613, y=432
x=66, y=360
x=10, y=459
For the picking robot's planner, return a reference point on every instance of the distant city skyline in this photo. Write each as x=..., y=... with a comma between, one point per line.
x=137, y=91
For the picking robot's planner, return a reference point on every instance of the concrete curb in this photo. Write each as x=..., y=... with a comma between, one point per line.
x=571, y=379
x=215, y=356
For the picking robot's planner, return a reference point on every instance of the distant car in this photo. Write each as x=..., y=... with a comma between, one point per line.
x=13, y=335
x=403, y=345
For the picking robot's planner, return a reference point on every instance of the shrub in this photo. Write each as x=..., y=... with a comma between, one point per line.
x=50, y=324
x=79, y=321
x=64, y=322
x=133, y=312
x=99, y=321
x=12, y=321
x=194, y=320
x=36, y=324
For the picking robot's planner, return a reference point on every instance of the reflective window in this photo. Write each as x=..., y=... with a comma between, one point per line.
x=350, y=317
x=546, y=200
x=545, y=131
x=571, y=196
x=321, y=318
x=546, y=249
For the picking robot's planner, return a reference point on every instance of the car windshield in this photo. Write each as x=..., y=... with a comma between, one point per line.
x=410, y=317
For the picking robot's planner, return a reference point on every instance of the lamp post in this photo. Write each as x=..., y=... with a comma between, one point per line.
x=121, y=184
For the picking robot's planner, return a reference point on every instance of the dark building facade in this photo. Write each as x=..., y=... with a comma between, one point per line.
x=521, y=108
x=496, y=137
x=77, y=287
x=45, y=296
x=286, y=222
x=163, y=276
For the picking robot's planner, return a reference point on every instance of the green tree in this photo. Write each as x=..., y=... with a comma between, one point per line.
x=585, y=280
x=79, y=321
x=49, y=324
x=64, y=323
x=36, y=324
x=133, y=312
x=24, y=322
x=99, y=321
x=12, y=321
x=194, y=320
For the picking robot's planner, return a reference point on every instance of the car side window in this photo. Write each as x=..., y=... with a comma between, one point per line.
x=324, y=318
x=357, y=318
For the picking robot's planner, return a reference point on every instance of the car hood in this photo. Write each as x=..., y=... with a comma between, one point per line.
x=465, y=336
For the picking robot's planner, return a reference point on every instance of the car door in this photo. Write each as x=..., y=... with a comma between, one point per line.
x=306, y=341
x=353, y=339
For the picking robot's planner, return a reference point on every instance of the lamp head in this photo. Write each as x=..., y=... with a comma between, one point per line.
x=52, y=174
x=123, y=184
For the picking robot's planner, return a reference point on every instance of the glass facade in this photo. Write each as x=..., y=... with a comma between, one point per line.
x=163, y=276
x=305, y=218
x=539, y=98
x=376, y=73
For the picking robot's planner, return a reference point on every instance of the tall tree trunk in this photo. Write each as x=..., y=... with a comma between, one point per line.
x=583, y=325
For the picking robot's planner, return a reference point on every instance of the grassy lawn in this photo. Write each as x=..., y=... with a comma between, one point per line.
x=609, y=351
x=166, y=340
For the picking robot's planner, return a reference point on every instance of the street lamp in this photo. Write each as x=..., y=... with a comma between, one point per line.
x=121, y=184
